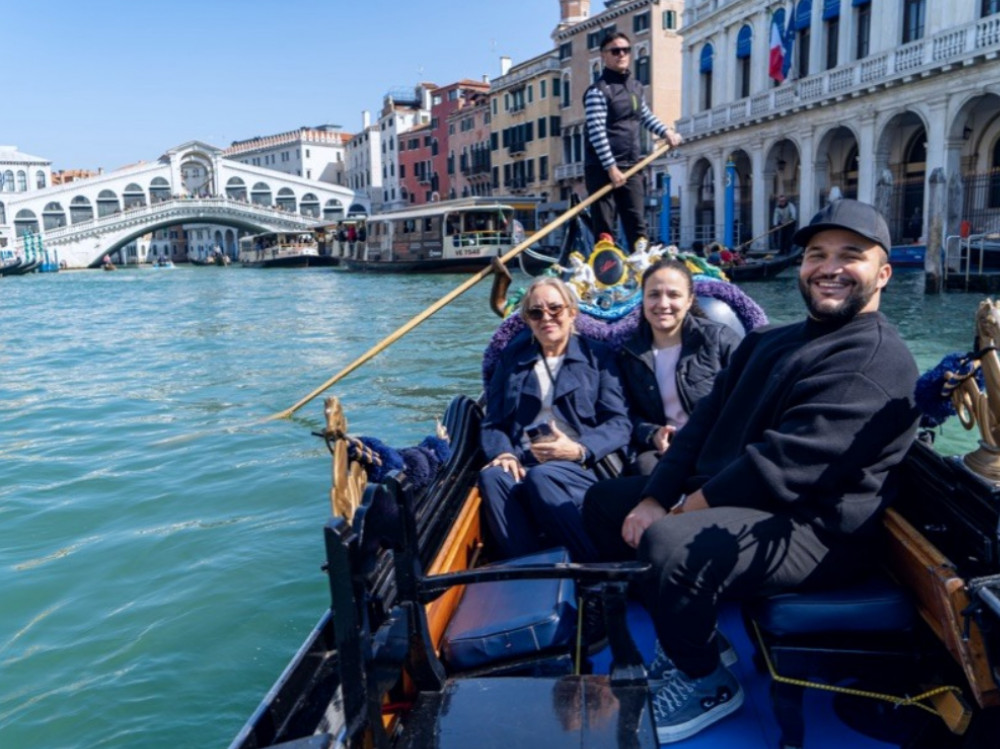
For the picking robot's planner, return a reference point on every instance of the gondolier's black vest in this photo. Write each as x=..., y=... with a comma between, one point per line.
x=624, y=97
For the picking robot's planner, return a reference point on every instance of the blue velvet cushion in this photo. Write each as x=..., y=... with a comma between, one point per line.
x=499, y=621
x=874, y=605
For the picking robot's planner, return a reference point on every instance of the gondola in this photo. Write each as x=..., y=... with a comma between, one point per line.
x=379, y=670
x=758, y=269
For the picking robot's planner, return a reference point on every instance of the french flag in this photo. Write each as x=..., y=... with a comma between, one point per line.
x=776, y=66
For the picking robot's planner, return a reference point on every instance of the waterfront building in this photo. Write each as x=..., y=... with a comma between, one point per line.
x=894, y=102
x=469, y=165
x=316, y=153
x=20, y=174
x=445, y=101
x=65, y=176
x=526, y=138
x=402, y=110
x=654, y=28
x=364, y=160
x=417, y=181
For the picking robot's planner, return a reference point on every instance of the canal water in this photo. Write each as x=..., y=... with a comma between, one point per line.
x=160, y=542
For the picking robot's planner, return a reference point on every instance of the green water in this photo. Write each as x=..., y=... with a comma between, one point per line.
x=160, y=544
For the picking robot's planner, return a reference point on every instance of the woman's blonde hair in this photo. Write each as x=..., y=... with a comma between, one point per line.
x=559, y=285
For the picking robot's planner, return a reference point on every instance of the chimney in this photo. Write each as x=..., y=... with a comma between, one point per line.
x=504, y=65
x=486, y=78
x=366, y=119
x=573, y=11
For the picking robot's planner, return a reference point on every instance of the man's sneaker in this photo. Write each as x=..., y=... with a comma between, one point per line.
x=661, y=666
x=682, y=706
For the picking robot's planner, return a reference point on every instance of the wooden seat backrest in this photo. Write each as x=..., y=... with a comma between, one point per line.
x=941, y=598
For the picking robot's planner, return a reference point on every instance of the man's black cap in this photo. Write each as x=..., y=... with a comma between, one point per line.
x=852, y=215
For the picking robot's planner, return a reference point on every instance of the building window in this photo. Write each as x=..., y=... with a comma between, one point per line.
x=595, y=72
x=914, y=14
x=531, y=93
x=670, y=20
x=543, y=168
x=642, y=68
x=541, y=85
x=557, y=87
x=22, y=181
x=832, y=41
x=565, y=92
x=565, y=50
x=862, y=24
x=705, y=70
x=541, y=127
x=744, y=47
x=594, y=39
x=640, y=22
x=40, y=179
x=989, y=7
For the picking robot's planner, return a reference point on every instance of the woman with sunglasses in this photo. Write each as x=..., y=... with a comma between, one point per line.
x=671, y=362
x=554, y=406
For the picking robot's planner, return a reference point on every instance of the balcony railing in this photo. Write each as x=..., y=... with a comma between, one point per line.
x=956, y=47
x=569, y=171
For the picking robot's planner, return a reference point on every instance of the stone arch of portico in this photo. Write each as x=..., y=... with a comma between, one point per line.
x=783, y=164
x=836, y=164
x=702, y=188
x=743, y=203
x=901, y=171
x=972, y=163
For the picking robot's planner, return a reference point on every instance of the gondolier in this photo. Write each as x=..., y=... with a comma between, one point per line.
x=615, y=109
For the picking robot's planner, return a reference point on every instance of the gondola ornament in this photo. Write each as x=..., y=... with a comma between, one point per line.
x=976, y=407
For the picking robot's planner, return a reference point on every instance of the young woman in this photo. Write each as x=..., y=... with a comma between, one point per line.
x=554, y=407
x=671, y=362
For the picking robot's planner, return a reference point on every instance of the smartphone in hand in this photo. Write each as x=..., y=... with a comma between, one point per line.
x=540, y=433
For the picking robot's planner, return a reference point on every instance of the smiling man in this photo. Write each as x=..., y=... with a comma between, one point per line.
x=779, y=479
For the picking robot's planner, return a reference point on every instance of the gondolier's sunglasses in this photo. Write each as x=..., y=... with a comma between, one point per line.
x=538, y=313
x=619, y=50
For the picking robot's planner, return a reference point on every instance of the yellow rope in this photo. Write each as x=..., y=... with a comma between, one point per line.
x=898, y=701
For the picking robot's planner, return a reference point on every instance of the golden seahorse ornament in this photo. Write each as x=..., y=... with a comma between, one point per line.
x=976, y=408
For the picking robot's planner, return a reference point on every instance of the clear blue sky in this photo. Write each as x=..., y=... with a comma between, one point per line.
x=104, y=83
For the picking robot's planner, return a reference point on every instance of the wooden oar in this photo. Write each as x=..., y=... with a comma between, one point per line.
x=465, y=286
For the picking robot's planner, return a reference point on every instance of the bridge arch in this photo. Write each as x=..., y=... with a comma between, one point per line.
x=53, y=216
x=107, y=203
x=80, y=210
x=198, y=173
x=133, y=196
x=232, y=235
x=309, y=205
x=24, y=222
x=261, y=194
x=333, y=210
x=286, y=200
x=236, y=189
x=159, y=190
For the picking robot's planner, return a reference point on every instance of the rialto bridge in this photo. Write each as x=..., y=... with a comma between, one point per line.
x=86, y=219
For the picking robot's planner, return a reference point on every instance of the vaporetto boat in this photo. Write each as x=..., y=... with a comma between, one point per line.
x=450, y=236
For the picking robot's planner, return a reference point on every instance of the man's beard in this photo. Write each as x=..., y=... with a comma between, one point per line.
x=847, y=309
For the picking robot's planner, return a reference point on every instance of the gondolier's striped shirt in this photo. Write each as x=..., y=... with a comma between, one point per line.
x=595, y=106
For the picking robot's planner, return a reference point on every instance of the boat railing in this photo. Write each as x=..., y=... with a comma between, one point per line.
x=471, y=239
x=965, y=256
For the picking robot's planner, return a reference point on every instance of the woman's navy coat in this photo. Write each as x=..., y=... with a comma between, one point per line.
x=588, y=396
